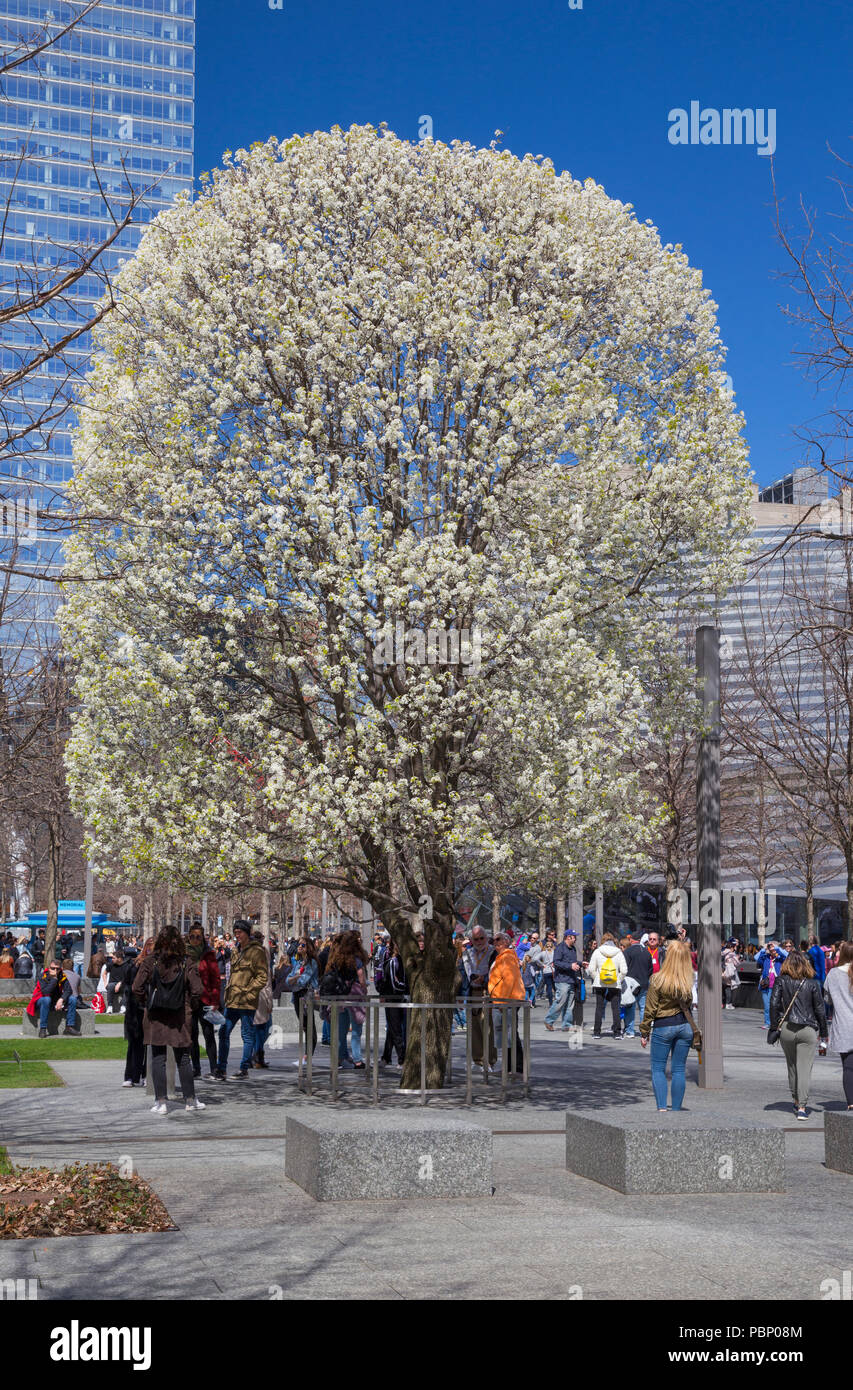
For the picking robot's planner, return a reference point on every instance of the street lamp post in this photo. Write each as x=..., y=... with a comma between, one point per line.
x=708, y=859
x=87, y=920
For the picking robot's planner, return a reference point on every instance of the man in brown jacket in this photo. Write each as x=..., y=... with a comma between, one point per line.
x=249, y=974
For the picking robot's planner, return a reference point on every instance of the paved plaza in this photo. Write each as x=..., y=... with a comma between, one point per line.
x=243, y=1231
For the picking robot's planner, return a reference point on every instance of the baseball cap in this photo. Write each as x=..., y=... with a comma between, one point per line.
x=572, y=933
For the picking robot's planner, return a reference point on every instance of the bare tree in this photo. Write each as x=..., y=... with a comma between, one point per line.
x=44, y=318
x=820, y=276
x=792, y=715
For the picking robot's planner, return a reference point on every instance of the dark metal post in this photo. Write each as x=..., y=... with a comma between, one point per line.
x=87, y=921
x=709, y=933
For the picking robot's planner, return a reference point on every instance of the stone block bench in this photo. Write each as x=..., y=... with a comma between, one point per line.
x=838, y=1139
x=343, y=1156
x=284, y=1020
x=56, y=1023
x=16, y=989
x=640, y=1151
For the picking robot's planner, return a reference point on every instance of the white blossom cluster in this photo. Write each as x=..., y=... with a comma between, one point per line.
x=360, y=381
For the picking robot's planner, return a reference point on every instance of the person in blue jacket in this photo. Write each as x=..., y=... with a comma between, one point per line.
x=817, y=958
x=770, y=959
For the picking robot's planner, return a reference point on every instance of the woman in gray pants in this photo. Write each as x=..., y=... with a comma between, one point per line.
x=839, y=987
x=797, y=1011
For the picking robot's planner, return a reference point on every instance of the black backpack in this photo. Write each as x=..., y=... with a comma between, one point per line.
x=334, y=985
x=166, y=996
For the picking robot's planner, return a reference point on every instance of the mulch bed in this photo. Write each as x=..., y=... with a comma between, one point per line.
x=81, y=1200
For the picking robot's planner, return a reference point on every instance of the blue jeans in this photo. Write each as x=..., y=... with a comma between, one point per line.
x=247, y=1030
x=628, y=1012
x=69, y=1009
x=641, y=1004
x=563, y=998
x=765, y=999
x=262, y=1032
x=355, y=1040
x=677, y=1041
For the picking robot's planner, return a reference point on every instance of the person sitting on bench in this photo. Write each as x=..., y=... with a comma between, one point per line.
x=56, y=993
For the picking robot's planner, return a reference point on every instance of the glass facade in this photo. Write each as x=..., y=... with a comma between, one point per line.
x=108, y=105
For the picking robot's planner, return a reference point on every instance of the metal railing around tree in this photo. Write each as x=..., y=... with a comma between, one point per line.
x=513, y=1033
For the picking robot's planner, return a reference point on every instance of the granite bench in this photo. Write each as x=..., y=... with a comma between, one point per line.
x=284, y=1021
x=345, y=1156
x=838, y=1140
x=56, y=1023
x=16, y=989
x=640, y=1151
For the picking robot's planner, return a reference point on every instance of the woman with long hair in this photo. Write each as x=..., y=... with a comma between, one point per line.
x=169, y=988
x=301, y=978
x=669, y=1004
x=839, y=988
x=797, y=1013
x=348, y=961
x=134, y=1022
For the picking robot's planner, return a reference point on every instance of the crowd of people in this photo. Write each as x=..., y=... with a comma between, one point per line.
x=184, y=992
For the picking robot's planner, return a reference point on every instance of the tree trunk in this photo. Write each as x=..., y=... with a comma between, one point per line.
x=561, y=916
x=761, y=913
x=849, y=932
x=170, y=905
x=671, y=907
x=496, y=910
x=54, y=856
x=543, y=917
x=265, y=916
x=431, y=976
x=433, y=984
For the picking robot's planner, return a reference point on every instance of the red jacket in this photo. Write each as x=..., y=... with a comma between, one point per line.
x=211, y=980
x=31, y=1007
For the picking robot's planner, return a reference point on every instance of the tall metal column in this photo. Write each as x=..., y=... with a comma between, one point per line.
x=710, y=938
x=87, y=921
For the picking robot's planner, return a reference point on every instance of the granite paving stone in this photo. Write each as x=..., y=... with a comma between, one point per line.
x=244, y=1226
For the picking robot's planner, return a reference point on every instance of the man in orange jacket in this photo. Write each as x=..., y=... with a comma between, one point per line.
x=505, y=984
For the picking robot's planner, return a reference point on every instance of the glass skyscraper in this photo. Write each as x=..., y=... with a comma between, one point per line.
x=110, y=103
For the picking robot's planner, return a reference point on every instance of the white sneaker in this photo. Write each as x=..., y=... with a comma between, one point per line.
x=159, y=1108
x=196, y=1105
x=127, y=1083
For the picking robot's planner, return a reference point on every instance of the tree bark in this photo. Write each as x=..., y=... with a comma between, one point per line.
x=761, y=913
x=432, y=983
x=561, y=916
x=496, y=910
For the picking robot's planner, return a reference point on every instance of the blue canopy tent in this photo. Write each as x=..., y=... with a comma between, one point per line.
x=71, y=917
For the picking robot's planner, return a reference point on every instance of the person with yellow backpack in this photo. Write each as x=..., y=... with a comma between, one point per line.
x=607, y=969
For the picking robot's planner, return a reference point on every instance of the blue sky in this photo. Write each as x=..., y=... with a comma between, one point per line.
x=592, y=89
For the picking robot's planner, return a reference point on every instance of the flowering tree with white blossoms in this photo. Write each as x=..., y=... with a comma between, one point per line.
x=396, y=449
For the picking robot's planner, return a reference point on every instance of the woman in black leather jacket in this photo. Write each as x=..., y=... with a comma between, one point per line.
x=797, y=1010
